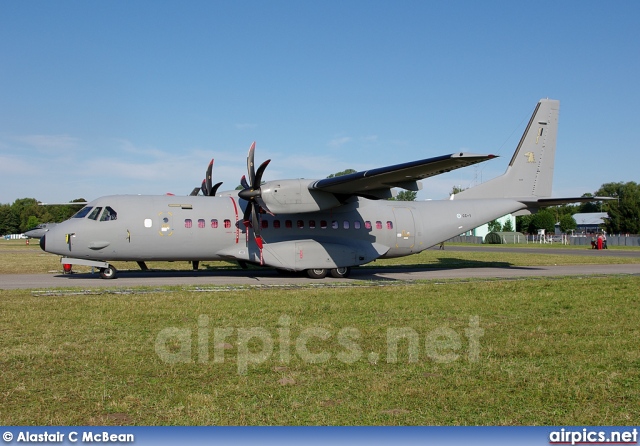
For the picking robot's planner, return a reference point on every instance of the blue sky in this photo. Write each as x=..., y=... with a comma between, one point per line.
x=135, y=97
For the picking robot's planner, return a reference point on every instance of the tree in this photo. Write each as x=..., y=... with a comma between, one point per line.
x=406, y=195
x=567, y=223
x=344, y=172
x=32, y=222
x=523, y=222
x=24, y=208
x=589, y=207
x=508, y=226
x=456, y=189
x=544, y=219
x=495, y=226
x=9, y=222
x=624, y=213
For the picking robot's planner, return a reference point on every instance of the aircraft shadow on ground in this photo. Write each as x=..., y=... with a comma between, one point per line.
x=444, y=263
x=370, y=271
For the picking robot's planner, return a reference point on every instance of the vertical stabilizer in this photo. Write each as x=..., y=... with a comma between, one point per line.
x=530, y=172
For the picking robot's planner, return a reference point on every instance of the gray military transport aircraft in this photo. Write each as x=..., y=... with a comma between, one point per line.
x=318, y=226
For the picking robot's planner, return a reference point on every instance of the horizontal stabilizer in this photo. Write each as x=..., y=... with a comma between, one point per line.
x=545, y=202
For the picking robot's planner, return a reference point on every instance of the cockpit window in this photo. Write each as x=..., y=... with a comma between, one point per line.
x=82, y=213
x=94, y=214
x=108, y=214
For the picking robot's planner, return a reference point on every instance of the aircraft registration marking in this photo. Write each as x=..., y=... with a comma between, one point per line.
x=463, y=215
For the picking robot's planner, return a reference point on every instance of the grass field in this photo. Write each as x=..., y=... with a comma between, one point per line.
x=506, y=352
x=560, y=351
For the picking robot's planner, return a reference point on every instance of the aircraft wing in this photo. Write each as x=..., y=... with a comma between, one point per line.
x=374, y=182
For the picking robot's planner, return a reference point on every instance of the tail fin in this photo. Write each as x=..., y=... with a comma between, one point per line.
x=530, y=172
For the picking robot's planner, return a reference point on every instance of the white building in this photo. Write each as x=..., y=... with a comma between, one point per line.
x=482, y=231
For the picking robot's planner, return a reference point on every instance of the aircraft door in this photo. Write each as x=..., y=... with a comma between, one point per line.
x=165, y=224
x=405, y=230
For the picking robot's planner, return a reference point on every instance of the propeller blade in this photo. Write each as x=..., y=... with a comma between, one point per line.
x=244, y=183
x=208, y=179
x=258, y=178
x=247, y=214
x=255, y=222
x=260, y=202
x=195, y=192
x=204, y=188
x=215, y=189
x=250, y=165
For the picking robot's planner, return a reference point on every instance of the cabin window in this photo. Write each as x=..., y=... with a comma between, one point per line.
x=334, y=224
x=109, y=214
x=82, y=213
x=188, y=223
x=288, y=224
x=367, y=225
x=201, y=223
x=276, y=224
x=378, y=224
x=312, y=224
x=214, y=223
x=94, y=214
x=345, y=224
x=264, y=224
x=300, y=224
x=323, y=224
x=227, y=223
x=356, y=224
x=389, y=225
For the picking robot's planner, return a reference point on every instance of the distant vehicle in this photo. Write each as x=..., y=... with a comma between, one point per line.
x=39, y=230
x=318, y=226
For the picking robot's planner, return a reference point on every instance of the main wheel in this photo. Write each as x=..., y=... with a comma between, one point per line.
x=317, y=273
x=109, y=272
x=340, y=273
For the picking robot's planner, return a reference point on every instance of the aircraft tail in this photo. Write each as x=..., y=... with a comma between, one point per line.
x=530, y=172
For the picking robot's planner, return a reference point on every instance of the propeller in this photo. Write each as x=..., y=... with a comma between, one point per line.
x=253, y=195
x=208, y=188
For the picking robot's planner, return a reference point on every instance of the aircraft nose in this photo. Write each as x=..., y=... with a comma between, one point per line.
x=42, y=242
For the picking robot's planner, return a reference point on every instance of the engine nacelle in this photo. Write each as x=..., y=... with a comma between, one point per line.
x=290, y=196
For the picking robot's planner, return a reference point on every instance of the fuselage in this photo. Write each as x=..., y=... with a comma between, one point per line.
x=144, y=228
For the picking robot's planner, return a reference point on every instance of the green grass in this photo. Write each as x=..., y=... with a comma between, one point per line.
x=554, y=351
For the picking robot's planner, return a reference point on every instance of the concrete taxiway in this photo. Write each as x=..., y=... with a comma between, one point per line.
x=269, y=277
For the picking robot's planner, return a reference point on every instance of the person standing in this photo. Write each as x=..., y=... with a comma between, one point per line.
x=599, y=241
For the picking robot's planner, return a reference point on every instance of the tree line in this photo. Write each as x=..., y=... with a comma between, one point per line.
x=26, y=213
x=623, y=212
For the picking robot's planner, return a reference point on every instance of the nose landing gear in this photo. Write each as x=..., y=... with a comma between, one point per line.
x=110, y=272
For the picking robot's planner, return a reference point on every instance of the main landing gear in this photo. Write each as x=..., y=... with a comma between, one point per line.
x=321, y=273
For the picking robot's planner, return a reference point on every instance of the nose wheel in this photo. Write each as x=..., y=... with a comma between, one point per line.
x=109, y=272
